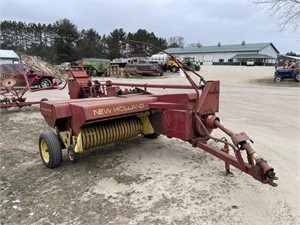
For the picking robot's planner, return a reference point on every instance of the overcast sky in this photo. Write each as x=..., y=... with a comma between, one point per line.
x=204, y=21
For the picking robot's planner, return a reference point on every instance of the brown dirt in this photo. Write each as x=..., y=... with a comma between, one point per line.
x=160, y=181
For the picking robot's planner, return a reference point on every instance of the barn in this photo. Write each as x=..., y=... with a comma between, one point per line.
x=235, y=54
x=8, y=56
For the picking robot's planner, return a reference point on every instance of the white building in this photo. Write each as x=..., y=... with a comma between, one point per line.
x=237, y=54
x=8, y=56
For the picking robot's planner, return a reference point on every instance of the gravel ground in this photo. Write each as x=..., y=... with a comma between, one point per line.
x=160, y=181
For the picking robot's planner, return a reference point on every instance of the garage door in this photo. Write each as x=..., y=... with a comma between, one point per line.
x=208, y=59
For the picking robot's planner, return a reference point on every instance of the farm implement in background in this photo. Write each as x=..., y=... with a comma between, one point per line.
x=93, y=66
x=290, y=72
x=17, y=79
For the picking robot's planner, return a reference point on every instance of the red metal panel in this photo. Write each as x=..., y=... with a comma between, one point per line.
x=61, y=111
x=178, y=124
x=187, y=100
x=166, y=105
x=74, y=89
x=209, y=98
x=52, y=111
x=88, y=111
x=45, y=109
x=112, y=91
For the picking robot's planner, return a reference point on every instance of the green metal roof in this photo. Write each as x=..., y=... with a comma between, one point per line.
x=286, y=57
x=221, y=48
x=252, y=56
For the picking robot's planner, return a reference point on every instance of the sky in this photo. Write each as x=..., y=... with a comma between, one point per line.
x=206, y=21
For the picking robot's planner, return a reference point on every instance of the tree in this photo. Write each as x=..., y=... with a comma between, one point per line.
x=62, y=42
x=176, y=41
x=6, y=35
x=292, y=54
x=198, y=44
x=173, y=45
x=161, y=43
x=66, y=36
x=149, y=39
x=90, y=44
x=112, y=43
x=285, y=13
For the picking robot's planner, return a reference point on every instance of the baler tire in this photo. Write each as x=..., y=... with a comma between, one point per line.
x=151, y=136
x=50, y=149
x=72, y=155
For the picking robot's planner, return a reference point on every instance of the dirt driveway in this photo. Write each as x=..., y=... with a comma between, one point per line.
x=161, y=181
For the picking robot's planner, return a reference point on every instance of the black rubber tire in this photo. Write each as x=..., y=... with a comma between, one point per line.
x=297, y=77
x=277, y=79
x=50, y=144
x=73, y=157
x=151, y=136
x=174, y=69
x=45, y=82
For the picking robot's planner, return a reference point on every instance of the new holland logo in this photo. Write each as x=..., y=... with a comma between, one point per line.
x=118, y=109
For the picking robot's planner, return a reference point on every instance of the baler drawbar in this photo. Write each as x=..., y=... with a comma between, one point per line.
x=113, y=112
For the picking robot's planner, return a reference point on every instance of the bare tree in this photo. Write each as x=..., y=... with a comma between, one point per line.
x=198, y=44
x=176, y=41
x=285, y=13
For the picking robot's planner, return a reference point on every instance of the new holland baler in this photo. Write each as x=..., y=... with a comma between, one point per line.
x=101, y=113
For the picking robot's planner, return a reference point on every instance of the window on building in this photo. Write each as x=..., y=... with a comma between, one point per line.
x=221, y=60
x=230, y=60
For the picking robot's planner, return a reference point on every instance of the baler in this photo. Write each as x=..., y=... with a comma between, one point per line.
x=101, y=113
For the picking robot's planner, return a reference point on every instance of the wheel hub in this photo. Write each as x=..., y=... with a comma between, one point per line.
x=44, y=151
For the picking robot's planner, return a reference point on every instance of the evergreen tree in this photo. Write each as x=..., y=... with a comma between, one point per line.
x=66, y=36
x=62, y=42
x=90, y=44
x=150, y=39
x=114, y=50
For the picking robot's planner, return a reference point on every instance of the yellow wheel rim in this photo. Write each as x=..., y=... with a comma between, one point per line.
x=44, y=151
x=71, y=155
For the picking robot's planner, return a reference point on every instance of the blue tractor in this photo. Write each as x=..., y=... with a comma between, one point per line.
x=292, y=72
